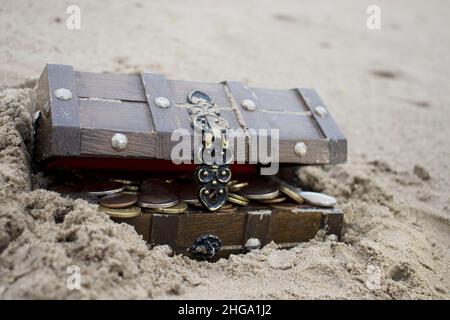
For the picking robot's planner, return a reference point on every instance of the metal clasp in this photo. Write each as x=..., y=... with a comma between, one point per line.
x=214, y=154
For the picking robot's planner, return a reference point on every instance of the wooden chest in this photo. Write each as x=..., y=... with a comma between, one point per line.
x=93, y=121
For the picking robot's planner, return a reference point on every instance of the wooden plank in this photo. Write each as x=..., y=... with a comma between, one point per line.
x=97, y=142
x=258, y=222
x=110, y=86
x=116, y=116
x=66, y=133
x=333, y=221
x=294, y=226
x=285, y=111
x=290, y=111
x=337, y=142
x=165, y=120
x=164, y=229
x=228, y=227
x=286, y=228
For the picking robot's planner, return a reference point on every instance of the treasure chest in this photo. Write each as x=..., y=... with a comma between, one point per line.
x=150, y=145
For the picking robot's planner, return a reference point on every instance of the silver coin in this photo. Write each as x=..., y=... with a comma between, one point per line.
x=318, y=199
x=157, y=200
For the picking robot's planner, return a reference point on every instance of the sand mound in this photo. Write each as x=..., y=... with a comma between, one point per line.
x=392, y=248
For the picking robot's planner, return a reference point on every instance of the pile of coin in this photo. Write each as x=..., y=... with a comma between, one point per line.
x=124, y=198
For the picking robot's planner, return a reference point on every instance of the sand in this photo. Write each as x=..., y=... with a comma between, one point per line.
x=387, y=89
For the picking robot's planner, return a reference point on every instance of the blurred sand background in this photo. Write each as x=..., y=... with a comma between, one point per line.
x=388, y=90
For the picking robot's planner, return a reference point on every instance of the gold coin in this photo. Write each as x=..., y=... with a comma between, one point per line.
x=237, y=186
x=275, y=200
x=130, y=192
x=291, y=193
x=237, y=196
x=194, y=203
x=129, y=212
x=284, y=205
x=125, y=181
x=237, y=199
x=226, y=206
x=118, y=200
x=131, y=187
x=230, y=183
x=181, y=207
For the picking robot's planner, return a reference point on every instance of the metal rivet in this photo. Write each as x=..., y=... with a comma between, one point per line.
x=252, y=244
x=300, y=149
x=63, y=94
x=206, y=192
x=321, y=111
x=119, y=141
x=224, y=173
x=248, y=104
x=221, y=191
x=162, y=102
x=205, y=173
x=214, y=183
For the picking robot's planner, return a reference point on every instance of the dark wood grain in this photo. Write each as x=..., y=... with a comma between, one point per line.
x=165, y=120
x=285, y=227
x=65, y=114
x=125, y=103
x=97, y=142
x=333, y=222
x=294, y=226
x=258, y=223
x=228, y=227
x=164, y=229
x=337, y=143
x=116, y=116
x=110, y=86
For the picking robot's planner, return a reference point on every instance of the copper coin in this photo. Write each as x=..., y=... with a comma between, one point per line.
x=104, y=188
x=284, y=206
x=118, y=200
x=157, y=200
x=155, y=185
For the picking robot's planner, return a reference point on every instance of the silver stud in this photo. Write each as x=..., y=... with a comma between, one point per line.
x=63, y=94
x=119, y=141
x=221, y=191
x=300, y=149
x=248, y=104
x=224, y=173
x=205, y=173
x=214, y=183
x=162, y=102
x=321, y=111
x=206, y=192
x=252, y=244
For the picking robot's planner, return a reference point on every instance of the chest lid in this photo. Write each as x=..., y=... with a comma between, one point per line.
x=134, y=116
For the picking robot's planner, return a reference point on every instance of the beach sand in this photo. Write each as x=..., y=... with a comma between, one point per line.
x=387, y=89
